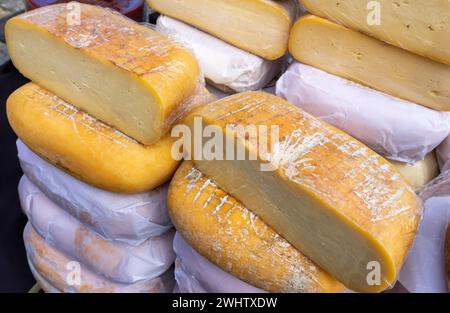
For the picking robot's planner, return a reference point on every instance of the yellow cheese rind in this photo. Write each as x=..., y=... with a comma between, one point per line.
x=120, y=72
x=422, y=27
x=330, y=196
x=257, y=26
x=366, y=60
x=223, y=230
x=85, y=147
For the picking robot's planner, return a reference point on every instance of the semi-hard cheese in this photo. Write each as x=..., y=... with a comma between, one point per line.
x=330, y=196
x=422, y=27
x=120, y=72
x=257, y=26
x=366, y=60
x=220, y=228
x=85, y=147
x=67, y=275
x=419, y=173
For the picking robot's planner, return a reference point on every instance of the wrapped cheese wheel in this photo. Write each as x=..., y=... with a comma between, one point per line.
x=68, y=275
x=127, y=218
x=395, y=128
x=119, y=262
x=225, y=66
x=195, y=274
x=85, y=147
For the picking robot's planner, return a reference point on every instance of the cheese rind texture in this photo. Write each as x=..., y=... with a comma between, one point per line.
x=397, y=129
x=260, y=27
x=225, y=66
x=117, y=261
x=422, y=27
x=85, y=147
x=130, y=219
x=120, y=72
x=366, y=60
x=56, y=267
x=330, y=196
x=220, y=228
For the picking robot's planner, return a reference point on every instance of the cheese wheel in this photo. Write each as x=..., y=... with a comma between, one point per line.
x=117, y=261
x=62, y=272
x=130, y=219
x=120, y=72
x=397, y=129
x=225, y=66
x=422, y=27
x=355, y=56
x=85, y=147
x=220, y=228
x=331, y=197
x=420, y=173
x=260, y=27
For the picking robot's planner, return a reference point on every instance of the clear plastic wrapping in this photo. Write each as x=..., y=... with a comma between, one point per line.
x=67, y=275
x=397, y=129
x=43, y=283
x=117, y=261
x=127, y=218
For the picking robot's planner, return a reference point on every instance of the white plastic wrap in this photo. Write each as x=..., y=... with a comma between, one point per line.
x=397, y=129
x=131, y=219
x=117, y=261
x=59, y=271
x=195, y=274
x=424, y=270
x=222, y=63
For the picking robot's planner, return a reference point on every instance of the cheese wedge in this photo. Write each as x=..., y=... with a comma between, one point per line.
x=420, y=173
x=257, y=26
x=330, y=196
x=120, y=72
x=220, y=228
x=84, y=147
x=363, y=59
x=422, y=27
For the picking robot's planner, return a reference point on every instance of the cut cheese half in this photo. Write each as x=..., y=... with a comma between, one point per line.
x=422, y=27
x=330, y=196
x=120, y=72
x=84, y=147
x=220, y=228
x=257, y=26
x=363, y=59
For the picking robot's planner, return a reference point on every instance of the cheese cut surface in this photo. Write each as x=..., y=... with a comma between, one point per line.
x=419, y=173
x=422, y=27
x=120, y=72
x=366, y=60
x=330, y=196
x=257, y=26
x=220, y=228
x=86, y=148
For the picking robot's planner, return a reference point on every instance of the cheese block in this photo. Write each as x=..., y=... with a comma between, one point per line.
x=62, y=272
x=395, y=128
x=220, y=228
x=119, y=262
x=363, y=59
x=447, y=254
x=43, y=283
x=131, y=219
x=260, y=27
x=225, y=66
x=422, y=27
x=195, y=274
x=330, y=196
x=123, y=73
x=420, y=173
x=85, y=147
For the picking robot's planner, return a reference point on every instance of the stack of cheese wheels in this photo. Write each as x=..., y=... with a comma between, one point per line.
x=307, y=209
x=94, y=146
x=380, y=72
x=240, y=45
